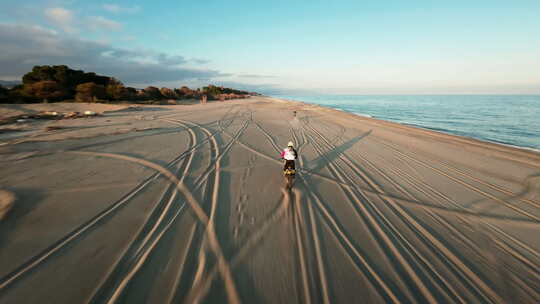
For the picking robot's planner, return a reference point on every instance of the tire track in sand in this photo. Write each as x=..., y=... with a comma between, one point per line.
x=214, y=166
x=298, y=224
x=321, y=272
x=136, y=254
x=534, y=269
x=521, y=221
x=416, y=182
x=201, y=288
x=204, y=219
x=192, y=202
x=415, y=225
x=242, y=253
x=39, y=258
x=339, y=182
x=190, y=246
x=270, y=158
x=201, y=258
x=402, y=156
x=376, y=227
x=463, y=172
x=358, y=260
x=425, y=234
x=424, y=260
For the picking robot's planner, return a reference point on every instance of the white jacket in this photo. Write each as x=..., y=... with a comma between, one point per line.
x=288, y=154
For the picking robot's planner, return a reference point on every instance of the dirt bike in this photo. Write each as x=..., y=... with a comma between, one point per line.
x=289, y=174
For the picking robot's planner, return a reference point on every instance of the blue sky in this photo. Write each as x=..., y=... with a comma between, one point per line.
x=346, y=47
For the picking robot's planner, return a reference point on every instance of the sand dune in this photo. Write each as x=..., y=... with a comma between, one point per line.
x=186, y=204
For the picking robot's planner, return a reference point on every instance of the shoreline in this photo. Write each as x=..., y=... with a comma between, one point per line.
x=536, y=151
x=120, y=106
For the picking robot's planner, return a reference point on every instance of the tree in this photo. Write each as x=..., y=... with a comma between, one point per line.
x=61, y=82
x=187, y=92
x=116, y=90
x=4, y=94
x=212, y=91
x=66, y=78
x=90, y=92
x=46, y=90
x=3, y=91
x=39, y=73
x=168, y=93
x=97, y=79
x=131, y=93
x=17, y=95
x=153, y=93
x=141, y=95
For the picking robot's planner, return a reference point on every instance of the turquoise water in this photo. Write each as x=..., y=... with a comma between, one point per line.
x=507, y=119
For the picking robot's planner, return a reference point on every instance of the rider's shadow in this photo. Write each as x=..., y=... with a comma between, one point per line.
x=328, y=157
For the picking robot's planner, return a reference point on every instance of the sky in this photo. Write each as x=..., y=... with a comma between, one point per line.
x=284, y=47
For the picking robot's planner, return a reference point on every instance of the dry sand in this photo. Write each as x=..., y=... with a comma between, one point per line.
x=6, y=202
x=186, y=204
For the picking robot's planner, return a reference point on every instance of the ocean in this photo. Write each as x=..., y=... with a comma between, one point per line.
x=507, y=119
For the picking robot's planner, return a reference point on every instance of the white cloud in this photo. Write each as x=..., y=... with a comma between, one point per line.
x=255, y=76
x=61, y=17
x=102, y=23
x=115, y=8
x=67, y=21
x=24, y=46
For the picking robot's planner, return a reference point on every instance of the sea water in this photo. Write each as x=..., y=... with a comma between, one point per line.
x=507, y=119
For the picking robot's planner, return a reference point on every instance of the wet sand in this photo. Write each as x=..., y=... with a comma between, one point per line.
x=186, y=204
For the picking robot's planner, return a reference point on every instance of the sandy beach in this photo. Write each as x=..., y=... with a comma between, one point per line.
x=186, y=204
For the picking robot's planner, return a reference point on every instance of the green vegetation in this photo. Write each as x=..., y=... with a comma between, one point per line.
x=60, y=83
x=90, y=92
x=4, y=92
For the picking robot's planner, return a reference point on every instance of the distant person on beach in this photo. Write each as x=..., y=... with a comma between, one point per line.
x=204, y=98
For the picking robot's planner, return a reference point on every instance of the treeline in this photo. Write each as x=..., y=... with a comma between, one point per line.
x=60, y=83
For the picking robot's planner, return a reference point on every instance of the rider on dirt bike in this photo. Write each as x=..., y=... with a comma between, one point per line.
x=289, y=154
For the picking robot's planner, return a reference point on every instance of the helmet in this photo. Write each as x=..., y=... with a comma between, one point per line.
x=290, y=144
